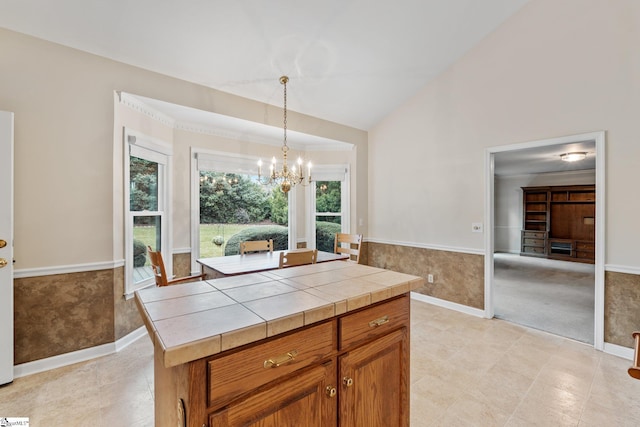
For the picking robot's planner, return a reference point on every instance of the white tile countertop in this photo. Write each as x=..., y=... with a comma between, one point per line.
x=197, y=319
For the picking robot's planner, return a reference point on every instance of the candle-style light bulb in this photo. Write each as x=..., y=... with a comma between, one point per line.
x=259, y=167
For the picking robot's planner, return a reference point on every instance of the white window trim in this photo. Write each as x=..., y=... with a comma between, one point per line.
x=156, y=150
x=339, y=172
x=222, y=161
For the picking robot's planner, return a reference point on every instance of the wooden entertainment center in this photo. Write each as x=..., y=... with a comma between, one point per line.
x=559, y=222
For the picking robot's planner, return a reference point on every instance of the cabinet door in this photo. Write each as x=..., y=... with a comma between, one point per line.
x=307, y=399
x=374, y=389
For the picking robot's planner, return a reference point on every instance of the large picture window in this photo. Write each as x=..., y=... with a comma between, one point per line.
x=147, y=196
x=232, y=206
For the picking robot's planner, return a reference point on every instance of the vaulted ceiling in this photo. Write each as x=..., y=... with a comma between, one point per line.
x=349, y=61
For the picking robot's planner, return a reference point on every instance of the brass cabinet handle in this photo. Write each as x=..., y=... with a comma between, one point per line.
x=274, y=362
x=331, y=391
x=3, y=243
x=3, y=262
x=378, y=322
x=347, y=381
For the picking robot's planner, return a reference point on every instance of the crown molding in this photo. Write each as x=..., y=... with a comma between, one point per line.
x=192, y=120
x=135, y=104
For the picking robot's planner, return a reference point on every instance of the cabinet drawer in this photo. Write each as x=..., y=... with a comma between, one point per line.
x=240, y=372
x=533, y=249
x=533, y=235
x=373, y=322
x=534, y=242
x=585, y=246
x=585, y=255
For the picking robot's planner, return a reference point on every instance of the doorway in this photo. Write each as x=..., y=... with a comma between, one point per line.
x=538, y=162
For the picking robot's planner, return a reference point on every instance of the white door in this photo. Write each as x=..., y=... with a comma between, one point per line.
x=6, y=247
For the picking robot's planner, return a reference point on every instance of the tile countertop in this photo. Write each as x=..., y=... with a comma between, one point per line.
x=193, y=320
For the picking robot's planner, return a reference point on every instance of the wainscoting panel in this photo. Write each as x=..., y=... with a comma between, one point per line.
x=621, y=312
x=127, y=317
x=457, y=277
x=61, y=313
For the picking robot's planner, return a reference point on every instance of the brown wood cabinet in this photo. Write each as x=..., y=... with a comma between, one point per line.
x=372, y=380
x=303, y=400
x=559, y=222
x=352, y=370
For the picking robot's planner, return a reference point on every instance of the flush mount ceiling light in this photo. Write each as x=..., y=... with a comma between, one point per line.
x=573, y=156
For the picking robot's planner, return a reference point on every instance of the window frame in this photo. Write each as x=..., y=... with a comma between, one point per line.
x=145, y=147
x=337, y=172
x=222, y=161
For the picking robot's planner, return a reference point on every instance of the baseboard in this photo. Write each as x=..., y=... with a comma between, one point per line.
x=83, y=355
x=618, y=350
x=130, y=338
x=622, y=269
x=448, y=304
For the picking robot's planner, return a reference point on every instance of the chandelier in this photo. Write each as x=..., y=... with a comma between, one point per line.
x=287, y=177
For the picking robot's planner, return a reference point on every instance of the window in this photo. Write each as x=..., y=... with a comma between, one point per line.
x=232, y=206
x=147, y=166
x=329, y=200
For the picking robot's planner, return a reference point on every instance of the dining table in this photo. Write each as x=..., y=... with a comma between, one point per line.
x=233, y=265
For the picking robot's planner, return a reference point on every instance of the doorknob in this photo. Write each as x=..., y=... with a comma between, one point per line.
x=3, y=262
x=3, y=243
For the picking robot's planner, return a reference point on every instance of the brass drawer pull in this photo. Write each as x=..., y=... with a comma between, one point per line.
x=348, y=382
x=279, y=360
x=378, y=322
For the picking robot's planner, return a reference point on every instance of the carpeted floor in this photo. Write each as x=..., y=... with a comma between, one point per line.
x=549, y=295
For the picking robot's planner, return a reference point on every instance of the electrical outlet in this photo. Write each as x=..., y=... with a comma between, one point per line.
x=430, y=278
x=476, y=227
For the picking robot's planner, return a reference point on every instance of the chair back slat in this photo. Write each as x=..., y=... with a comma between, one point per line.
x=349, y=244
x=160, y=273
x=157, y=263
x=256, y=246
x=298, y=257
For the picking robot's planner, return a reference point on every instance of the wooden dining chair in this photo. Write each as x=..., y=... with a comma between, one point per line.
x=160, y=272
x=348, y=244
x=256, y=246
x=298, y=257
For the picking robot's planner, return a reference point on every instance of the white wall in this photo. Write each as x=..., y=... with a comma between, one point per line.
x=508, y=202
x=555, y=68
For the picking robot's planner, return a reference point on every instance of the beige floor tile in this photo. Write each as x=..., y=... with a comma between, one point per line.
x=596, y=415
x=465, y=371
x=473, y=411
x=441, y=394
x=553, y=376
x=501, y=388
x=549, y=396
x=541, y=417
x=424, y=412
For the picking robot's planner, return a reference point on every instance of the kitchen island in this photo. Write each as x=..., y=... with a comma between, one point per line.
x=316, y=345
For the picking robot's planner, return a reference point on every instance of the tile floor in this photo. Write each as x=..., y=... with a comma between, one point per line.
x=465, y=371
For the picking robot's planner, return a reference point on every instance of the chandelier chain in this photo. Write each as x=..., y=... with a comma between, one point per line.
x=284, y=82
